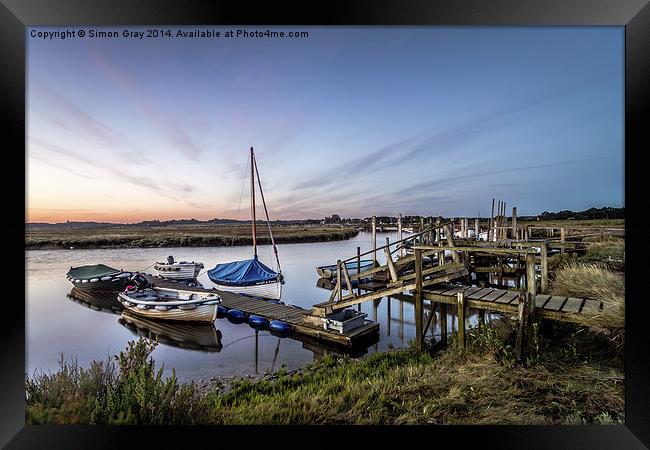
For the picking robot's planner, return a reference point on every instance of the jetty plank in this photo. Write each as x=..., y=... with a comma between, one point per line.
x=479, y=294
x=541, y=299
x=492, y=296
x=572, y=305
x=555, y=303
x=508, y=297
x=591, y=306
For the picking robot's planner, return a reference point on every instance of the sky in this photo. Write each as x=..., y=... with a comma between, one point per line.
x=353, y=121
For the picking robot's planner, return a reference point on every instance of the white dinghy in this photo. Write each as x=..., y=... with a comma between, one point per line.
x=178, y=270
x=145, y=300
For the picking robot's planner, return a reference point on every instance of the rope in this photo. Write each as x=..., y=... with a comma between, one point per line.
x=146, y=267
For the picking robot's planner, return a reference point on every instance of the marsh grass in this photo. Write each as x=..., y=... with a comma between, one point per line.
x=478, y=384
x=179, y=236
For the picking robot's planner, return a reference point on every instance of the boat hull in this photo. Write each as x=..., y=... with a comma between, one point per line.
x=183, y=306
x=269, y=290
x=183, y=272
x=329, y=272
x=113, y=285
x=203, y=313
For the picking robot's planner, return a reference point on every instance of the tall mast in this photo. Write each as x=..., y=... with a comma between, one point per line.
x=253, y=205
x=266, y=212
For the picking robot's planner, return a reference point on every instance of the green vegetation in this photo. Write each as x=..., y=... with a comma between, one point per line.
x=569, y=378
x=178, y=236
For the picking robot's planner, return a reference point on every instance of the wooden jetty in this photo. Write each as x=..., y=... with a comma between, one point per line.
x=436, y=261
x=300, y=319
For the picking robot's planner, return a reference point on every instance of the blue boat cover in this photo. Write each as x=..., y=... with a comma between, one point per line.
x=242, y=273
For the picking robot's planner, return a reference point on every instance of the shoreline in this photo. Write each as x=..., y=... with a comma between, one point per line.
x=179, y=240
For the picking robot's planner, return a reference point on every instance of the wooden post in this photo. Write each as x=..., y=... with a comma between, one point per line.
x=450, y=243
x=400, y=252
x=481, y=316
x=401, y=319
x=544, y=258
x=359, y=271
x=562, y=238
x=491, y=222
x=530, y=274
x=443, y=323
x=338, y=278
x=348, y=283
x=389, y=262
x=418, y=300
x=374, y=241
x=522, y=317
x=461, y=318
x=388, y=318
x=514, y=222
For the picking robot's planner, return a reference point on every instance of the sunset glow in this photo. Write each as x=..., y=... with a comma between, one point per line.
x=350, y=120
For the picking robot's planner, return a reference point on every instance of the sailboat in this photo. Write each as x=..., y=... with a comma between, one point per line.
x=251, y=276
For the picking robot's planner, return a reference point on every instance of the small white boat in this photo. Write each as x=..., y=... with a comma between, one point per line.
x=331, y=271
x=169, y=304
x=181, y=270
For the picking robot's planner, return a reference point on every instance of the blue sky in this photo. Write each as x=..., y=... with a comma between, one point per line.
x=351, y=120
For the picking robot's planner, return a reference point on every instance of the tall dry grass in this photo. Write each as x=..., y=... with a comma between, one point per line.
x=594, y=281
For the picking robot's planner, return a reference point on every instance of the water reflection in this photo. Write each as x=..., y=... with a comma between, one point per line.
x=199, y=336
x=99, y=301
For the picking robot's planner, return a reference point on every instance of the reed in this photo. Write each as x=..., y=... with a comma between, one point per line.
x=478, y=384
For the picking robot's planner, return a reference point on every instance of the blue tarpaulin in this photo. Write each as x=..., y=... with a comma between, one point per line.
x=242, y=273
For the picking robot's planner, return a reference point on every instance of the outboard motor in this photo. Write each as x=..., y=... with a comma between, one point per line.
x=170, y=259
x=140, y=281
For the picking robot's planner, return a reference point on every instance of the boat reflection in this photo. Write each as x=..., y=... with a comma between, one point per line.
x=191, y=336
x=97, y=301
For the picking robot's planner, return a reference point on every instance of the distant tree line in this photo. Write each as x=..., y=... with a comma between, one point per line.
x=587, y=214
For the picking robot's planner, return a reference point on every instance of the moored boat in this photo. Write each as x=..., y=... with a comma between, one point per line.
x=153, y=302
x=98, y=277
x=251, y=276
x=331, y=270
x=178, y=270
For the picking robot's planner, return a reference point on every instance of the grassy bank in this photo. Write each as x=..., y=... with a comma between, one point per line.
x=179, y=236
x=570, y=377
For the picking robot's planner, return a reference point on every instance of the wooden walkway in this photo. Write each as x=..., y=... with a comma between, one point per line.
x=300, y=319
x=567, y=309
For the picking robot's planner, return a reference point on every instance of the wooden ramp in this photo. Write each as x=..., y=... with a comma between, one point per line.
x=406, y=282
x=300, y=319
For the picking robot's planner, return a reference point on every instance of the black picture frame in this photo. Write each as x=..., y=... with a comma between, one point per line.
x=634, y=15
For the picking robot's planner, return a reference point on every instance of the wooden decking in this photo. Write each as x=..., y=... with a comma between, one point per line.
x=300, y=319
x=567, y=309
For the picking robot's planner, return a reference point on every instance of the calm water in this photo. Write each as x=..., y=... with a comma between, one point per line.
x=90, y=329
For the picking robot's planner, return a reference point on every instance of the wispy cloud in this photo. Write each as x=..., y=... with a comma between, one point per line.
x=166, y=189
x=65, y=113
x=179, y=138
